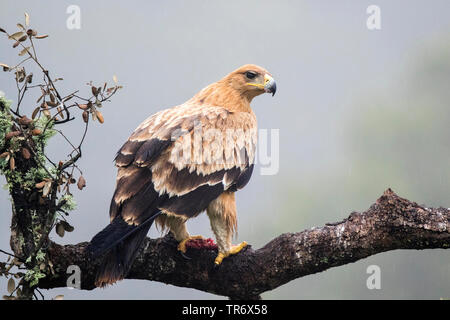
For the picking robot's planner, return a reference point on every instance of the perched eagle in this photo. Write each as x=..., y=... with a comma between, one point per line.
x=182, y=161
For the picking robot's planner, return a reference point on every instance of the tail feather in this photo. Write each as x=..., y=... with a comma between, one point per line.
x=119, y=242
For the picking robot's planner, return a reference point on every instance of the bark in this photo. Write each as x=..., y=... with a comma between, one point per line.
x=390, y=223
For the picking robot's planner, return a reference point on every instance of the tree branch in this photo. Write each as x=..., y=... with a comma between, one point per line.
x=390, y=223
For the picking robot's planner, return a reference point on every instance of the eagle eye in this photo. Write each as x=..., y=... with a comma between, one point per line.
x=250, y=74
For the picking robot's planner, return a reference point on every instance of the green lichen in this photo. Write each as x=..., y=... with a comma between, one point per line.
x=33, y=176
x=46, y=126
x=69, y=203
x=6, y=121
x=32, y=276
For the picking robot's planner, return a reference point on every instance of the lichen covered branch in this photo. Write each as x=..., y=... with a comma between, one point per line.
x=390, y=223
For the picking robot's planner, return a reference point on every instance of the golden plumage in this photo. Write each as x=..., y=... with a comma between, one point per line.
x=182, y=161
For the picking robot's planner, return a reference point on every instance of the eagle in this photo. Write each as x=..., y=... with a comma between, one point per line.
x=181, y=162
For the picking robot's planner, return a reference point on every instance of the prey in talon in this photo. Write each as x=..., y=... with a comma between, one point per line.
x=180, y=162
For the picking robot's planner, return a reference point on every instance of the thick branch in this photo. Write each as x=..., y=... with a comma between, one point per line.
x=389, y=224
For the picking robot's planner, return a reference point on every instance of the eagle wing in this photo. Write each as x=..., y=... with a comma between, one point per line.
x=180, y=159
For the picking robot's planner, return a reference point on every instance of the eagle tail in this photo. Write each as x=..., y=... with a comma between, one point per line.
x=119, y=243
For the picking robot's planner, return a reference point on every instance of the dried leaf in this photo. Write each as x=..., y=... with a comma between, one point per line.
x=60, y=230
x=11, y=285
x=67, y=227
x=52, y=97
x=81, y=183
x=26, y=153
x=21, y=26
x=22, y=39
x=16, y=36
x=24, y=50
x=94, y=91
x=82, y=106
x=16, y=44
x=41, y=37
x=100, y=116
x=2, y=30
x=27, y=19
x=47, y=188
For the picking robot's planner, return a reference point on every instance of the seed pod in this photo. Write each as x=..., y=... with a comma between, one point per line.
x=40, y=185
x=11, y=134
x=11, y=285
x=47, y=114
x=4, y=154
x=12, y=164
x=26, y=153
x=23, y=38
x=30, y=78
x=85, y=116
x=35, y=112
x=100, y=116
x=25, y=121
x=36, y=132
x=47, y=188
x=83, y=106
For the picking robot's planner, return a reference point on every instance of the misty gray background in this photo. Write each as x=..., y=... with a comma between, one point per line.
x=358, y=111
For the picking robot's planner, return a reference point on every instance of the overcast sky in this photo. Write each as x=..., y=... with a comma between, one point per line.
x=325, y=61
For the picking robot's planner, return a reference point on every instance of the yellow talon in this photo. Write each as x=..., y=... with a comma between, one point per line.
x=234, y=250
x=182, y=244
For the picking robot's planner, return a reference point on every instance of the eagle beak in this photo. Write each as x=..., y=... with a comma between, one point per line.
x=270, y=85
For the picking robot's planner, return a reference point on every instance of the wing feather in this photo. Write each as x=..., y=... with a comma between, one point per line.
x=181, y=159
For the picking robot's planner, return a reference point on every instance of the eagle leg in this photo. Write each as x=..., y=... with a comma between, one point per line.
x=222, y=216
x=233, y=250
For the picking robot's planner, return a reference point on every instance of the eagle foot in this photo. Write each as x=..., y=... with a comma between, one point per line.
x=182, y=244
x=233, y=250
